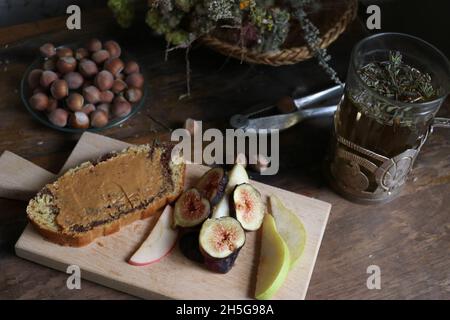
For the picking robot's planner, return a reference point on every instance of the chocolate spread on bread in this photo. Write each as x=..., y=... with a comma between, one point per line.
x=117, y=184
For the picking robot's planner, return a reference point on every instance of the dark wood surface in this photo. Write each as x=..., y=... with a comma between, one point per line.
x=409, y=238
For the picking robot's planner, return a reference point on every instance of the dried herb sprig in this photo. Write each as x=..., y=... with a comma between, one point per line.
x=263, y=25
x=313, y=39
x=398, y=80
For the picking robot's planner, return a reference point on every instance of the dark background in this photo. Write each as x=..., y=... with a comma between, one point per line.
x=21, y=11
x=427, y=19
x=408, y=238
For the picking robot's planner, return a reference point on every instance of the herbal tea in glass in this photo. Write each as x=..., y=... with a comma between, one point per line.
x=395, y=85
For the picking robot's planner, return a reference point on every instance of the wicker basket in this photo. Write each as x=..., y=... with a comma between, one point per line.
x=285, y=56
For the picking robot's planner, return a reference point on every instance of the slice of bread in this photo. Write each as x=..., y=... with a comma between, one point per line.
x=99, y=197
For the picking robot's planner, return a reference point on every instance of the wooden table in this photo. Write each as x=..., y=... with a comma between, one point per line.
x=409, y=238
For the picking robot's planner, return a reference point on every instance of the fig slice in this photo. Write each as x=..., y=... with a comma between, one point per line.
x=237, y=175
x=212, y=185
x=220, y=242
x=191, y=209
x=189, y=246
x=249, y=208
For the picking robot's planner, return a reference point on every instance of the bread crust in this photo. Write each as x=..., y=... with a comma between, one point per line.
x=85, y=238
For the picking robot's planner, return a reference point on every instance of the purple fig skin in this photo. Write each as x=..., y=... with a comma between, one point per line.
x=221, y=234
x=187, y=219
x=190, y=247
x=212, y=185
x=220, y=265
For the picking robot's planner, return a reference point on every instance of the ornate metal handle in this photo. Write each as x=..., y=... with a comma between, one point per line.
x=441, y=123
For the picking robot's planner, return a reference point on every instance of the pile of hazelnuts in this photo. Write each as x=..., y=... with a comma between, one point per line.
x=85, y=87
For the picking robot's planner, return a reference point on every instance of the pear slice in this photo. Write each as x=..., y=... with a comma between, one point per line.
x=238, y=175
x=274, y=261
x=290, y=228
x=222, y=209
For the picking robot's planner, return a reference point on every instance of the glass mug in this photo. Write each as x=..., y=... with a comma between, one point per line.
x=376, y=139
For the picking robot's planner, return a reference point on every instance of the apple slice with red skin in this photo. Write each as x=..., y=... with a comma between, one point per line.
x=159, y=243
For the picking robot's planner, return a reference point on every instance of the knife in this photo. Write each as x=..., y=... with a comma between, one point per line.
x=281, y=121
x=287, y=120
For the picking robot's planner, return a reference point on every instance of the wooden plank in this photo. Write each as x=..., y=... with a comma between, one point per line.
x=15, y=33
x=104, y=261
x=20, y=178
x=408, y=238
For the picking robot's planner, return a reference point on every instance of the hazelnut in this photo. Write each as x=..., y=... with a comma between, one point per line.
x=98, y=119
x=74, y=80
x=66, y=64
x=91, y=94
x=39, y=101
x=49, y=64
x=64, y=52
x=286, y=105
x=113, y=48
x=106, y=96
x=131, y=67
x=59, y=89
x=114, y=65
x=120, y=98
x=104, y=80
x=88, y=108
x=120, y=76
x=87, y=68
x=81, y=53
x=79, y=120
x=94, y=45
x=118, y=86
x=100, y=56
x=47, y=50
x=52, y=104
x=105, y=107
x=58, y=117
x=75, y=101
x=121, y=107
x=133, y=95
x=47, y=78
x=34, y=78
x=135, y=80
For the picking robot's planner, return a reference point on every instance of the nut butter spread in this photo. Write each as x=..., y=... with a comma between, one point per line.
x=99, y=193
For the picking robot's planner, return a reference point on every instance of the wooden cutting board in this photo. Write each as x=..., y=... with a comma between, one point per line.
x=104, y=261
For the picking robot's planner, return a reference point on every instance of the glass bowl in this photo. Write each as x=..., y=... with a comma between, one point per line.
x=26, y=93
